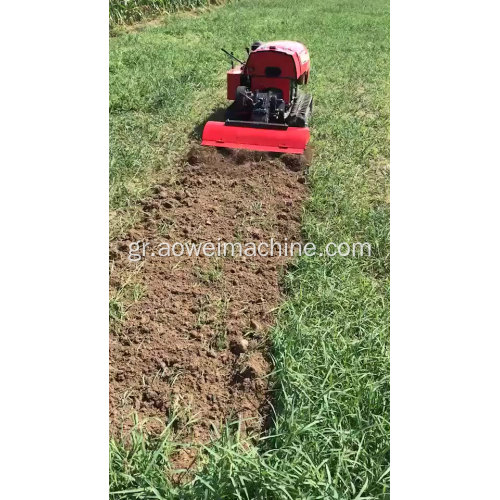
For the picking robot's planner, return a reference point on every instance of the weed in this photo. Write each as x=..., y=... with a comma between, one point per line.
x=116, y=310
x=165, y=226
x=220, y=340
x=124, y=297
x=212, y=274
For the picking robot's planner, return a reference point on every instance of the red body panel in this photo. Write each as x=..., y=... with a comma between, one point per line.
x=263, y=82
x=291, y=57
x=274, y=54
x=233, y=80
x=260, y=59
x=293, y=140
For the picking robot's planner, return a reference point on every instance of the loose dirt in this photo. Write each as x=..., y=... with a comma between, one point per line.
x=189, y=334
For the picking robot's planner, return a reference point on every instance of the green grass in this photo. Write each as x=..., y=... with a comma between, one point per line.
x=330, y=437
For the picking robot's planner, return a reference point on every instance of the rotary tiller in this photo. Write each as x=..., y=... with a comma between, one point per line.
x=268, y=113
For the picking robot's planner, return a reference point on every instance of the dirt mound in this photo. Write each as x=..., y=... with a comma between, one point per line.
x=190, y=332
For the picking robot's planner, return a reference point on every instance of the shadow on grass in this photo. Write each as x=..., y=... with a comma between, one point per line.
x=217, y=115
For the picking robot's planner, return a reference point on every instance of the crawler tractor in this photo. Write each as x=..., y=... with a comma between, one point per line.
x=268, y=113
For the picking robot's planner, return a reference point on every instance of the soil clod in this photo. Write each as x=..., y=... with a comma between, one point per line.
x=239, y=345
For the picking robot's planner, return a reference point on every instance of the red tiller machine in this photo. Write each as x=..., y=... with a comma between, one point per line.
x=268, y=113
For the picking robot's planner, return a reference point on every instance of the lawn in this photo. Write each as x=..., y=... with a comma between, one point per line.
x=330, y=436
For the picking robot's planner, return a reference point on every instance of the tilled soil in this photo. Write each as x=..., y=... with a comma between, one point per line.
x=189, y=336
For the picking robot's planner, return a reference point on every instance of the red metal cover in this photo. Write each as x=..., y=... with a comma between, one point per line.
x=233, y=81
x=293, y=140
x=271, y=54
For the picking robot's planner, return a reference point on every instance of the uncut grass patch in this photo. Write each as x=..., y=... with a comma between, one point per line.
x=129, y=11
x=330, y=435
